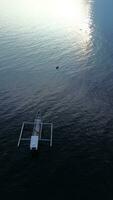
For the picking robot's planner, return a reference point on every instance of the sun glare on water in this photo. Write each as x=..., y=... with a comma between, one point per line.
x=73, y=13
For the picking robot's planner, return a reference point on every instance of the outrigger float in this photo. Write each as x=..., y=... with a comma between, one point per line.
x=36, y=133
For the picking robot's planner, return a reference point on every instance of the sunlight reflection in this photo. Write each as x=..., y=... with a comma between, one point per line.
x=77, y=15
x=72, y=13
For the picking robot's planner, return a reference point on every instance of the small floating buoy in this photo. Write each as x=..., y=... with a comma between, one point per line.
x=57, y=67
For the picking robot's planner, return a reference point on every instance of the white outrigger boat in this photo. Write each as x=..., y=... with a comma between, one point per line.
x=36, y=134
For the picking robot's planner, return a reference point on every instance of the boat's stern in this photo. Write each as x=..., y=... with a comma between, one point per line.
x=34, y=142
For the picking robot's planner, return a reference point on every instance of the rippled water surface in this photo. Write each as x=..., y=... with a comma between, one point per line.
x=77, y=36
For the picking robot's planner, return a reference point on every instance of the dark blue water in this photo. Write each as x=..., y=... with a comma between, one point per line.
x=77, y=98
